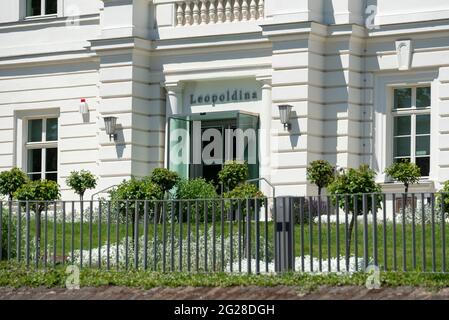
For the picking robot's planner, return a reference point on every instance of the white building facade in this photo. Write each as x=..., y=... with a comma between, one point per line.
x=368, y=82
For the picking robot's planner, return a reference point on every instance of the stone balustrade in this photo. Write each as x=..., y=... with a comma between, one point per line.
x=202, y=12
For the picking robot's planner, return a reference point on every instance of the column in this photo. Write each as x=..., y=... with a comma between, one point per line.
x=265, y=135
x=173, y=107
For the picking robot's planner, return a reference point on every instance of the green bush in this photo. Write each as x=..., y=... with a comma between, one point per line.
x=13, y=235
x=245, y=191
x=39, y=190
x=321, y=173
x=404, y=171
x=129, y=191
x=355, y=182
x=233, y=174
x=443, y=195
x=80, y=181
x=165, y=179
x=197, y=189
x=11, y=181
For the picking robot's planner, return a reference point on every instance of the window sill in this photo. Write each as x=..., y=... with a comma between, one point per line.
x=41, y=17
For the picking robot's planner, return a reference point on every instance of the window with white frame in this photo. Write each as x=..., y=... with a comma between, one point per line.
x=42, y=149
x=411, y=126
x=41, y=7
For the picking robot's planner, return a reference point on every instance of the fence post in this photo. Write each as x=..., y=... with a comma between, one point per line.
x=283, y=218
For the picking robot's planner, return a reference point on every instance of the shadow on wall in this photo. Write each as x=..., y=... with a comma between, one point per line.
x=120, y=143
x=295, y=132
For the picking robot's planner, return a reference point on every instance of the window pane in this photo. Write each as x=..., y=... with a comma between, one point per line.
x=51, y=160
x=34, y=160
x=424, y=165
x=423, y=97
x=35, y=130
x=51, y=6
x=403, y=98
x=34, y=177
x=52, y=129
x=33, y=8
x=52, y=176
x=397, y=160
x=402, y=126
x=423, y=146
x=423, y=124
x=402, y=147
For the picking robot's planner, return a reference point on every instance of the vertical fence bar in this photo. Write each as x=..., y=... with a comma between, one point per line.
x=55, y=224
x=172, y=236
x=329, y=248
x=432, y=197
x=100, y=211
x=320, y=249
x=72, y=234
x=365, y=231
x=45, y=235
x=108, y=237
x=37, y=235
x=19, y=233
x=28, y=225
x=248, y=234
x=127, y=234
x=164, y=235
x=145, y=236
x=206, y=216
x=63, y=232
x=374, y=213
x=384, y=210
x=214, y=240
x=180, y=207
x=90, y=234
x=443, y=236
x=197, y=237
x=256, y=216
x=222, y=236
x=394, y=233
x=1, y=230
x=231, y=249
x=188, y=238
x=356, y=232
x=404, y=239
x=347, y=236
x=81, y=232
x=275, y=219
x=155, y=230
x=337, y=231
x=310, y=233
x=117, y=235
x=136, y=235
x=266, y=234
x=423, y=232
x=239, y=233
x=413, y=233
x=301, y=221
x=9, y=230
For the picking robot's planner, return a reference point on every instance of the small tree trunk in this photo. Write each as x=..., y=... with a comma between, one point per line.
x=319, y=192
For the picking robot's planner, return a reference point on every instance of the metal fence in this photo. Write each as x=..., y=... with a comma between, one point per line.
x=346, y=233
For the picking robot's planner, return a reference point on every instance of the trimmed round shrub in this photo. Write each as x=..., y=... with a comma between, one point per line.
x=202, y=193
x=233, y=174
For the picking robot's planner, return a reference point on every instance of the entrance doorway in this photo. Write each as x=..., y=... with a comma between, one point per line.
x=191, y=137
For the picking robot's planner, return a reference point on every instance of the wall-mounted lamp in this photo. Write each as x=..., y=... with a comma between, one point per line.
x=110, y=124
x=285, y=113
x=84, y=107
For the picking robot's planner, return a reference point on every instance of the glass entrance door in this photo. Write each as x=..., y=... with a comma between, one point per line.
x=239, y=141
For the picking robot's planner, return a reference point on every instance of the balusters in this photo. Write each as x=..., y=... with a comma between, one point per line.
x=180, y=15
x=261, y=9
x=245, y=11
x=220, y=11
x=253, y=10
x=237, y=14
x=196, y=13
x=212, y=12
x=204, y=12
x=188, y=14
x=228, y=11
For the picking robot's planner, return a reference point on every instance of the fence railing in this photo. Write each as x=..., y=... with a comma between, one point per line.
x=347, y=233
